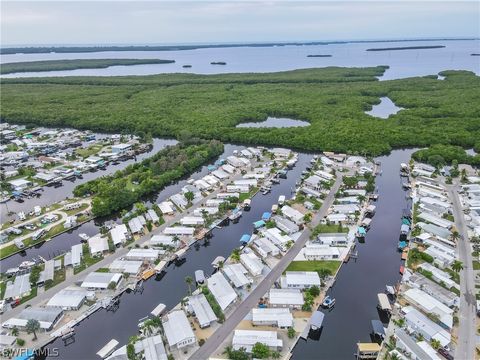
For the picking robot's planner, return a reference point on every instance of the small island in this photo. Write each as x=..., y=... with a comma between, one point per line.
x=319, y=55
x=60, y=65
x=474, y=54
x=408, y=48
x=218, y=63
x=187, y=66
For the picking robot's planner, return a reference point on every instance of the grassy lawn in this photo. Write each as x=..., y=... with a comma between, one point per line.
x=76, y=211
x=476, y=265
x=314, y=265
x=89, y=151
x=33, y=293
x=3, y=286
x=58, y=277
x=326, y=228
x=55, y=230
x=244, y=196
x=87, y=261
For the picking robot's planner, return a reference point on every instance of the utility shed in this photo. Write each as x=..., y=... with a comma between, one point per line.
x=68, y=299
x=152, y=347
x=177, y=330
x=221, y=290
x=248, y=338
x=47, y=317
x=280, y=317
x=236, y=273
x=18, y=288
x=199, y=305
x=292, y=298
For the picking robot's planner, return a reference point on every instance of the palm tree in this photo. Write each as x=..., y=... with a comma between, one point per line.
x=15, y=331
x=220, y=265
x=455, y=235
x=235, y=255
x=189, y=281
x=176, y=239
x=457, y=266
x=189, y=196
x=32, y=327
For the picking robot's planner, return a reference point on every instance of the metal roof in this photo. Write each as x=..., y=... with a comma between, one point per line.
x=202, y=309
x=221, y=290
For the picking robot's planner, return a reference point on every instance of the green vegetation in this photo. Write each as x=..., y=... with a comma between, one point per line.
x=58, y=65
x=327, y=228
x=415, y=257
x=440, y=155
x=315, y=265
x=333, y=100
x=124, y=188
x=213, y=304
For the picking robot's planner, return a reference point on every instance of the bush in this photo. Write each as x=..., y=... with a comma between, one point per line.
x=20, y=342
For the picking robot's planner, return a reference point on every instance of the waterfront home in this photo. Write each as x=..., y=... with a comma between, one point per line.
x=443, y=255
x=265, y=247
x=246, y=153
x=20, y=184
x=202, y=185
x=192, y=220
x=275, y=236
x=252, y=263
x=418, y=350
x=120, y=149
x=44, y=176
x=421, y=324
x=235, y=161
x=135, y=225
x=47, y=273
x=325, y=176
x=77, y=254
x=119, y=234
x=177, y=330
x=248, y=338
x=293, y=214
x=131, y=267
x=236, y=273
x=281, y=153
x=444, y=223
x=355, y=161
x=100, y=280
x=220, y=174
x=438, y=231
x=439, y=275
x=46, y=317
x=167, y=208
x=162, y=240
x=225, y=195
x=152, y=216
x=152, y=348
x=333, y=239
x=221, y=290
x=355, y=192
x=70, y=222
x=18, y=288
x=418, y=171
x=211, y=180
x=336, y=219
x=149, y=255
x=228, y=168
x=279, y=317
x=345, y=209
x=292, y=298
x=424, y=191
x=348, y=200
x=238, y=188
x=71, y=298
x=179, y=200
x=430, y=305
x=214, y=202
x=198, y=305
x=286, y=225
x=246, y=182
x=321, y=252
x=438, y=292
x=98, y=245
x=444, y=205
x=179, y=230
x=202, y=210
x=313, y=182
x=300, y=279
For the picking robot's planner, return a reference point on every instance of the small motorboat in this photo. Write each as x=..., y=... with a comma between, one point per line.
x=84, y=236
x=200, y=277
x=328, y=302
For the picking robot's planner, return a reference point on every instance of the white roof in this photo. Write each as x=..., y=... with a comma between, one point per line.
x=166, y=207
x=68, y=298
x=321, y=250
x=20, y=286
x=45, y=316
x=291, y=213
x=276, y=236
x=221, y=290
x=179, y=230
x=135, y=225
x=19, y=182
x=100, y=280
x=421, y=323
x=202, y=309
x=192, y=220
x=126, y=266
x=286, y=297
x=119, y=234
x=162, y=240
x=97, y=244
x=77, y=253
x=252, y=263
x=248, y=338
x=177, y=328
x=236, y=274
x=281, y=316
x=121, y=146
x=220, y=174
x=430, y=304
x=153, y=348
x=152, y=215
x=304, y=278
x=147, y=254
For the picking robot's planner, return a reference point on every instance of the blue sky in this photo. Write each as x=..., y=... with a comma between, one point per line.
x=157, y=22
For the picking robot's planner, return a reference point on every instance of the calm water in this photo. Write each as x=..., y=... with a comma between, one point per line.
x=359, y=282
x=273, y=122
x=456, y=55
x=93, y=333
x=383, y=110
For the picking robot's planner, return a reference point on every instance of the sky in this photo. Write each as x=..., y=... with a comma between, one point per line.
x=163, y=22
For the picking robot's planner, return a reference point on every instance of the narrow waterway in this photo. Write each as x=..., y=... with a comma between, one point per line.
x=94, y=332
x=359, y=282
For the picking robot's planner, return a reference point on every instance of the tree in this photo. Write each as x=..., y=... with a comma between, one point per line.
x=20, y=342
x=324, y=273
x=112, y=285
x=189, y=196
x=35, y=275
x=435, y=344
x=260, y=351
x=32, y=327
x=457, y=266
x=307, y=217
x=235, y=255
x=131, y=352
x=189, y=281
x=289, y=244
x=314, y=291
x=275, y=355
x=455, y=235
x=291, y=332
x=14, y=331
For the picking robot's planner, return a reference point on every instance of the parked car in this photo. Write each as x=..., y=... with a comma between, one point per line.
x=445, y=354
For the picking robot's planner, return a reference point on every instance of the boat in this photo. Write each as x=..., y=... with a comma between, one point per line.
x=274, y=208
x=247, y=204
x=26, y=264
x=328, y=302
x=200, y=277
x=84, y=236
x=236, y=214
x=402, y=269
x=281, y=200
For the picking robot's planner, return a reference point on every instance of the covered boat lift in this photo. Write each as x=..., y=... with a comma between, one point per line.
x=159, y=309
x=378, y=329
x=383, y=302
x=316, y=320
x=107, y=349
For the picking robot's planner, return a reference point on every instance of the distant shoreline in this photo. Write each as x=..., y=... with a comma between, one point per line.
x=103, y=48
x=61, y=65
x=407, y=48
x=319, y=55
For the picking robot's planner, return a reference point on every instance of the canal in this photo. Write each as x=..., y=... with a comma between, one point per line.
x=359, y=281
x=93, y=333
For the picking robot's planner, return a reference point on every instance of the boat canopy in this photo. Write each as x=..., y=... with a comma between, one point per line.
x=317, y=319
x=378, y=328
x=245, y=238
x=158, y=310
x=406, y=221
x=266, y=215
x=383, y=302
x=402, y=244
x=258, y=224
x=390, y=289
x=361, y=230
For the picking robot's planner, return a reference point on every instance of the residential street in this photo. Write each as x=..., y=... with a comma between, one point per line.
x=251, y=301
x=466, y=334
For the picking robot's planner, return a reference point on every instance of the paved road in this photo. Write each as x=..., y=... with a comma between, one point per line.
x=466, y=333
x=251, y=301
x=40, y=298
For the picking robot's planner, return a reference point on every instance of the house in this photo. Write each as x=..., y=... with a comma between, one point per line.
x=221, y=290
x=201, y=211
x=279, y=317
x=70, y=298
x=321, y=252
x=192, y=220
x=332, y=239
x=177, y=330
x=281, y=153
x=265, y=247
x=438, y=292
x=421, y=324
x=248, y=338
x=47, y=317
x=152, y=216
x=167, y=207
x=252, y=263
x=292, y=298
x=162, y=240
x=19, y=288
x=429, y=304
x=276, y=237
x=228, y=168
x=149, y=255
x=336, y=218
x=121, y=148
x=179, y=230
x=325, y=176
x=439, y=275
x=198, y=305
x=131, y=267
x=135, y=225
x=300, y=279
x=179, y=200
x=20, y=184
x=436, y=220
x=77, y=254
x=119, y=234
x=235, y=161
x=236, y=273
x=152, y=347
x=48, y=272
x=220, y=174
x=98, y=245
x=345, y=209
x=292, y=214
x=100, y=280
x=287, y=226
x=418, y=352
